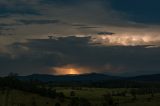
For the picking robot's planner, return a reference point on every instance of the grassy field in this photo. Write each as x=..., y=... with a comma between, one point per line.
x=94, y=95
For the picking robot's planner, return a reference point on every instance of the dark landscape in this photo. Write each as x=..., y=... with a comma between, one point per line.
x=79, y=90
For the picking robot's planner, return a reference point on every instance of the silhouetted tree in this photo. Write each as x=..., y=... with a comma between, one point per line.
x=72, y=93
x=108, y=99
x=84, y=102
x=61, y=96
x=57, y=104
x=74, y=101
x=133, y=93
x=33, y=101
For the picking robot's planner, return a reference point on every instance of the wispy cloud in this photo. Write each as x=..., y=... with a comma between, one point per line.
x=28, y=22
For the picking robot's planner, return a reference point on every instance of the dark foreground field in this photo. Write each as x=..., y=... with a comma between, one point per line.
x=75, y=91
x=81, y=97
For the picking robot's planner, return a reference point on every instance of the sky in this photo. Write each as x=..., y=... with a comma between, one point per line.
x=116, y=37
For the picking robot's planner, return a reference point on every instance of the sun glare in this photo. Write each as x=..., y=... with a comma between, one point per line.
x=72, y=71
x=66, y=70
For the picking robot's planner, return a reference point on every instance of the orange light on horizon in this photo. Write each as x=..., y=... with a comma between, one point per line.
x=66, y=71
x=72, y=71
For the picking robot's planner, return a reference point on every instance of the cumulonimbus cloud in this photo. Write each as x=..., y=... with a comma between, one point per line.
x=126, y=39
x=78, y=55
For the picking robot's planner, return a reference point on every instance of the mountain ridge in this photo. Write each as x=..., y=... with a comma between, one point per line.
x=74, y=77
x=94, y=77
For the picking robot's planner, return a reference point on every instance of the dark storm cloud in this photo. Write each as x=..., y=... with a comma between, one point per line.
x=91, y=15
x=4, y=16
x=21, y=65
x=84, y=26
x=27, y=22
x=79, y=25
x=105, y=33
x=142, y=11
x=4, y=28
x=47, y=53
x=21, y=7
x=88, y=27
x=37, y=55
x=105, y=12
x=64, y=2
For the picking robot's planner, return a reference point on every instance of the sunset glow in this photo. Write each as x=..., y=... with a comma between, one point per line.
x=66, y=70
x=70, y=69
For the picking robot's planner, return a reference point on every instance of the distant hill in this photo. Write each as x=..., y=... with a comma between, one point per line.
x=150, y=78
x=94, y=77
x=90, y=77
